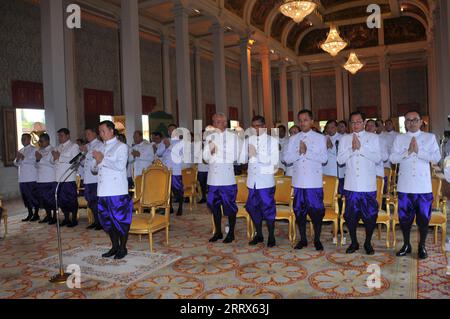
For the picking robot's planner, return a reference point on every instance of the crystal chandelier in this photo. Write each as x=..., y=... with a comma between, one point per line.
x=297, y=10
x=353, y=64
x=334, y=43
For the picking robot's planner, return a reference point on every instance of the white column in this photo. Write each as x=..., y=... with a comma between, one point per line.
x=246, y=82
x=165, y=39
x=54, y=66
x=131, y=67
x=73, y=112
x=183, y=66
x=198, y=82
x=339, y=92
x=385, y=86
x=307, y=91
x=220, y=85
x=267, y=85
x=284, y=94
x=296, y=93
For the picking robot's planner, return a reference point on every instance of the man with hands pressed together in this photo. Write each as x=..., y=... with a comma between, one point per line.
x=115, y=206
x=414, y=151
x=360, y=152
x=308, y=152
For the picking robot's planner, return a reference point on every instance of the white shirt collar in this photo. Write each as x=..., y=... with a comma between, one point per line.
x=414, y=134
x=111, y=141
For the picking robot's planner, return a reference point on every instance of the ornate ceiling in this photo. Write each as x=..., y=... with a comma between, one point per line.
x=405, y=21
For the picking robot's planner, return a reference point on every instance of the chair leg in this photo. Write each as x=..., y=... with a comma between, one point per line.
x=387, y=235
x=342, y=232
x=167, y=235
x=150, y=240
x=379, y=231
x=444, y=236
x=436, y=234
x=140, y=238
x=5, y=221
x=311, y=230
x=335, y=224
x=393, y=234
x=213, y=227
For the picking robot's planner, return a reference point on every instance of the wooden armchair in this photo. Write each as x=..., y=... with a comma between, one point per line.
x=4, y=216
x=137, y=194
x=156, y=188
x=189, y=176
x=331, y=203
x=284, y=199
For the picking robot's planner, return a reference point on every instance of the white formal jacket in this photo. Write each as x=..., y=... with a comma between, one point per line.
x=46, y=167
x=361, y=174
x=308, y=170
x=331, y=167
x=112, y=171
x=67, y=151
x=221, y=164
x=27, y=166
x=262, y=167
x=145, y=160
x=89, y=162
x=414, y=176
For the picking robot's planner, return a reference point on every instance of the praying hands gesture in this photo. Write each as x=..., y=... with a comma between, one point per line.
x=99, y=156
x=356, y=143
x=413, y=146
x=56, y=155
x=212, y=148
x=303, y=148
x=38, y=156
x=135, y=153
x=20, y=157
x=251, y=151
x=329, y=143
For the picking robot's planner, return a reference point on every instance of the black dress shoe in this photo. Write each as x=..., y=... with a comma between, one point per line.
x=202, y=201
x=35, y=218
x=64, y=223
x=271, y=243
x=422, y=252
x=405, y=250
x=110, y=253
x=27, y=219
x=229, y=239
x=45, y=220
x=98, y=227
x=256, y=241
x=318, y=245
x=121, y=254
x=352, y=248
x=73, y=224
x=180, y=212
x=52, y=221
x=369, y=249
x=301, y=244
x=216, y=237
x=171, y=211
x=91, y=226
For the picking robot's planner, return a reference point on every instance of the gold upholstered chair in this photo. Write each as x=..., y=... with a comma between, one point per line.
x=156, y=188
x=189, y=176
x=439, y=211
x=284, y=199
x=331, y=202
x=82, y=202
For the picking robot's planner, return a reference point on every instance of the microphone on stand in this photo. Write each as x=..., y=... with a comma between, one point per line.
x=77, y=159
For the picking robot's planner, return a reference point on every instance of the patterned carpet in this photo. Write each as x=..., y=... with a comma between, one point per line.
x=206, y=270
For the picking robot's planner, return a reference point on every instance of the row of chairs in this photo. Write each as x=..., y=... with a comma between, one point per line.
x=4, y=217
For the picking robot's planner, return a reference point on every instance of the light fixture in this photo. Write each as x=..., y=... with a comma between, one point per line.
x=298, y=10
x=272, y=51
x=251, y=42
x=353, y=64
x=334, y=43
x=197, y=11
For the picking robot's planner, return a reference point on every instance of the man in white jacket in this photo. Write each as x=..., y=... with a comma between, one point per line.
x=360, y=152
x=221, y=150
x=414, y=151
x=115, y=207
x=308, y=152
x=26, y=162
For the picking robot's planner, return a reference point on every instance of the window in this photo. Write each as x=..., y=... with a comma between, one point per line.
x=234, y=124
x=401, y=126
x=29, y=121
x=146, y=127
x=322, y=125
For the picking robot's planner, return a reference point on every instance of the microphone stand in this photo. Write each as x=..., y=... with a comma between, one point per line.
x=62, y=277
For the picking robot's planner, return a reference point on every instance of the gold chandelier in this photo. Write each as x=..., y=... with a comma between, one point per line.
x=297, y=10
x=334, y=43
x=353, y=64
